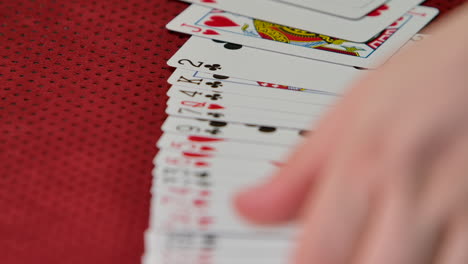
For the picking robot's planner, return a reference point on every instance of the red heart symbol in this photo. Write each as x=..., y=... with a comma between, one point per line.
x=396, y=22
x=201, y=164
x=220, y=21
x=210, y=32
x=204, y=221
x=195, y=155
x=203, y=139
x=205, y=193
x=200, y=203
x=207, y=148
x=215, y=107
x=378, y=11
x=209, y=1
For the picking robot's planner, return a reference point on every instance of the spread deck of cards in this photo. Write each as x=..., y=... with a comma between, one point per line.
x=248, y=86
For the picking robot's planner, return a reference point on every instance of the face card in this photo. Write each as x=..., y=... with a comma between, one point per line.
x=247, y=102
x=351, y=9
x=268, y=90
x=201, y=54
x=244, y=102
x=197, y=20
x=360, y=30
x=221, y=112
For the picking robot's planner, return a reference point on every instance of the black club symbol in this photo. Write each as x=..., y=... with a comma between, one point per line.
x=214, y=97
x=216, y=115
x=203, y=174
x=214, y=131
x=229, y=46
x=215, y=84
x=304, y=133
x=220, y=77
x=213, y=67
x=210, y=240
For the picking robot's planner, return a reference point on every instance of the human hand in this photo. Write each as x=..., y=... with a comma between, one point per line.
x=385, y=177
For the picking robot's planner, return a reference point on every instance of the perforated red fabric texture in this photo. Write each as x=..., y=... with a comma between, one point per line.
x=82, y=97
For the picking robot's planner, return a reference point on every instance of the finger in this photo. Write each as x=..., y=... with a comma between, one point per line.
x=336, y=218
x=281, y=198
x=413, y=217
x=447, y=195
x=345, y=206
x=400, y=234
x=455, y=248
x=447, y=191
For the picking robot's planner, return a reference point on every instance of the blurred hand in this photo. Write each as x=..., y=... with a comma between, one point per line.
x=385, y=177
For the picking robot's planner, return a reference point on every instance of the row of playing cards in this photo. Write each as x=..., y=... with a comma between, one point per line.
x=249, y=85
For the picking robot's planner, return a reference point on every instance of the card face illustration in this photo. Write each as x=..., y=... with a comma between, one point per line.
x=201, y=54
x=357, y=30
x=242, y=30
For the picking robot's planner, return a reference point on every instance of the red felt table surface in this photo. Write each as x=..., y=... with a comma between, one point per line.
x=82, y=97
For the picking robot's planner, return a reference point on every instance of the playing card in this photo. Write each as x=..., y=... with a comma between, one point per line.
x=208, y=82
x=225, y=148
x=245, y=102
x=352, y=9
x=195, y=199
x=198, y=20
x=177, y=211
x=201, y=54
x=179, y=159
x=238, y=107
x=213, y=248
x=238, y=132
x=193, y=192
x=415, y=40
x=360, y=30
x=192, y=241
x=218, y=112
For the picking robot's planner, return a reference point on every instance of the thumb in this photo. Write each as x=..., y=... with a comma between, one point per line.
x=280, y=199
